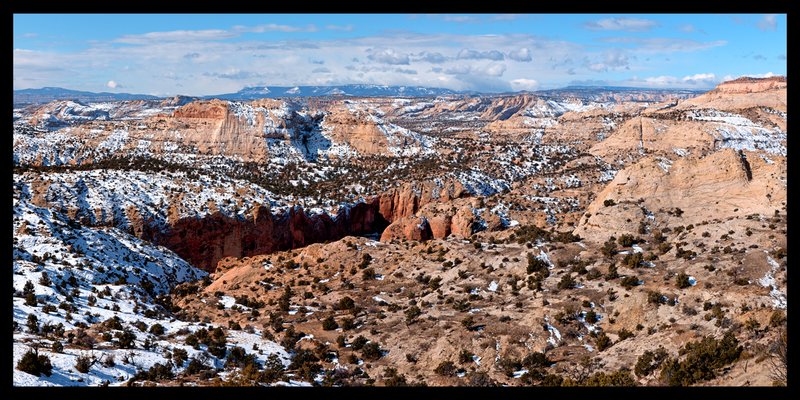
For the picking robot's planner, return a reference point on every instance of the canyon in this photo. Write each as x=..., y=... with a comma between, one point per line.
x=541, y=238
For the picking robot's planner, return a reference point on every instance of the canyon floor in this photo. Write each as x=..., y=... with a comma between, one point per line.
x=567, y=238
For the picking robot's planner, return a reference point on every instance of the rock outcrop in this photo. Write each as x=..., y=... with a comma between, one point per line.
x=712, y=187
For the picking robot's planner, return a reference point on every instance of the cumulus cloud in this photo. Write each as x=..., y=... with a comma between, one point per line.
x=612, y=60
x=431, y=57
x=768, y=23
x=522, y=55
x=191, y=55
x=767, y=75
x=388, y=56
x=524, y=84
x=621, y=24
x=491, y=69
x=113, y=84
x=469, y=54
x=320, y=70
x=700, y=79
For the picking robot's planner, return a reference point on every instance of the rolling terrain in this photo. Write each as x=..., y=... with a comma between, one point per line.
x=569, y=237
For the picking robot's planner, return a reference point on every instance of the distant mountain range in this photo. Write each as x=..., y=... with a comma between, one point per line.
x=47, y=94
x=260, y=92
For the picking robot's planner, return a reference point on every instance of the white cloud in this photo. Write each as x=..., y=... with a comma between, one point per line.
x=177, y=36
x=491, y=69
x=614, y=59
x=470, y=54
x=431, y=57
x=701, y=79
x=204, y=64
x=522, y=54
x=388, y=56
x=113, y=84
x=621, y=24
x=768, y=23
x=524, y=84
x=767, y=75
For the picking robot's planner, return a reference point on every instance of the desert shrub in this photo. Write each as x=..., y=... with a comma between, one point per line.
x=777, y=318
x=612, y=272
x=125, y=339
x=179, y=356
x=633, y=260
x=618, y=378
x=649, y=361
x=368, y=274
x=446, y=368
x=609, y=248
x=536, y=360
x=465, y=356
x=157, y=372
x=536, y=264
x=701, y=360
x=83, y=363
x=348, y=323
x=44, y=280
x=608, y=202
x=626, y=240
x=346, y=303
x=392, y=378
x=602, y=341
x=32, y=323
x=412, y=313
x=57, y=347
x=481, y=379
x=509, y=365
x=371, y=351
x=157, y=329
x=567, y=282
x=630, y=281
x=273, y=369
x=591, y=317
x=329, y=323
x=359, y=342
x=682, y=281
x=624, y=334
x=35, y=364
x=552, y=380
x=238, y=357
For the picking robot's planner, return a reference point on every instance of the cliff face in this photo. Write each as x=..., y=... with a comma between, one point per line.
x=204, y=241
x=718, y=186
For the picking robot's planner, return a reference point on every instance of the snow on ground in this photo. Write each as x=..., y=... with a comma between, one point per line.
x=768, y=280
x=740, y=133
x=96, y=275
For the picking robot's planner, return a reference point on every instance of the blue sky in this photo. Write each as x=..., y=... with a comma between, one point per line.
x=199, y=54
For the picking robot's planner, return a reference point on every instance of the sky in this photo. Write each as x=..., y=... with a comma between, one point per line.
x=204, y=54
